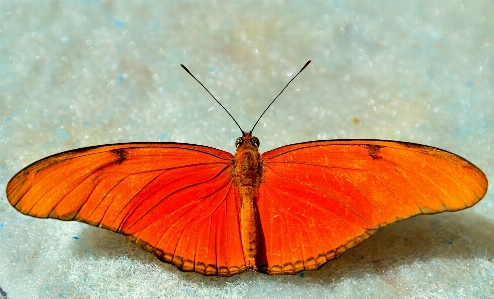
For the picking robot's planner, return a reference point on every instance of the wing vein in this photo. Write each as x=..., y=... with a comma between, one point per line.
x=172, y=193
x=325, y=192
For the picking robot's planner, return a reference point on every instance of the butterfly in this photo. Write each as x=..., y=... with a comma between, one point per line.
x=290, y=209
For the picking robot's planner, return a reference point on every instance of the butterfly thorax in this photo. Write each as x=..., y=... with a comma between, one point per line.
x=247, y=174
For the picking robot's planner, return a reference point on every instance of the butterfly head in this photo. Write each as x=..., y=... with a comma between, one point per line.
x=247, y=141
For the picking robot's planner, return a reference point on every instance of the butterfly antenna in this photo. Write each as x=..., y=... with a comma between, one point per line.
x=279, y=95
x=213, y=97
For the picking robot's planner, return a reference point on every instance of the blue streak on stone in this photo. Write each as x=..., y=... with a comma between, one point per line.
x=423, y=128
x=120, y=78
x=75, y=238
x=86, y=123
x=434, y=226
x=212, y=69
x=469, y=83
x=154, y=25
x=463, y=132
x=119, y=24
x=302, y=275
x=162, y=137
x=1, y=224
x=450, y=242
x=454, y=107
x=61, y=134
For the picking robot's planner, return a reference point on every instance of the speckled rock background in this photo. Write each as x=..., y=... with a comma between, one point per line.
x=80, y=73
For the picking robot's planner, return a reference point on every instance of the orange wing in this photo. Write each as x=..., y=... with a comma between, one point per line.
x=175, y=200
x=320, y=198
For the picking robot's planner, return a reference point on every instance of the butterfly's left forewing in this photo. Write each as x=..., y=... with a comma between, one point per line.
x=175, y=200
x=318, y=199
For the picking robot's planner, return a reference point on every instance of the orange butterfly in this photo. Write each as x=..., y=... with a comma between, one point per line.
x=288, y=210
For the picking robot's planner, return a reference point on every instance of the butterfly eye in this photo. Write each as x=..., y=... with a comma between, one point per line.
x=239, y=141
x=255, y=141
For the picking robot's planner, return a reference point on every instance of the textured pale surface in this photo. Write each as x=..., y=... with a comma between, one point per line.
x=80, y=73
